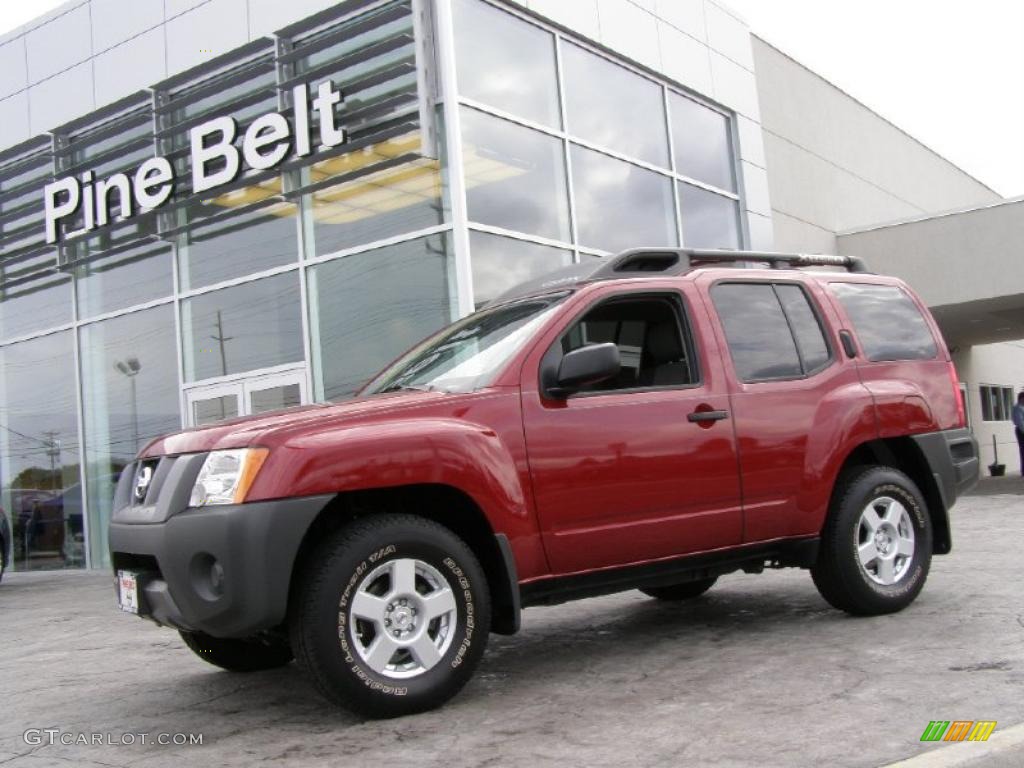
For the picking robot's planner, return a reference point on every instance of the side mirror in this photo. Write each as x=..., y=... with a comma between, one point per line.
x=584, y=366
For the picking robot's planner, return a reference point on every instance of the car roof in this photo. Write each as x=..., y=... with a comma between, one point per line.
x=671, y=262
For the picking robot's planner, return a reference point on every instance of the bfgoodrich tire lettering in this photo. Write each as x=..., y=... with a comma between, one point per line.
x=876, y=547
x=354, y=596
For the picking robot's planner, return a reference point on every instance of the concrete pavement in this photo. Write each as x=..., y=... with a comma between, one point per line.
x=759, y=672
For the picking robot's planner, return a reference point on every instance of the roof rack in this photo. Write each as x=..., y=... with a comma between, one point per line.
x=675, y=261
x=650, y=262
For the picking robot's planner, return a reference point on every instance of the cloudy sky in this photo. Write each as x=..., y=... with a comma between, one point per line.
x=949, y=72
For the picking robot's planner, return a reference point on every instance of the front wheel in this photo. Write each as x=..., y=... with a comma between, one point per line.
x=391, y=615
x=237, y=655
x=876, y=548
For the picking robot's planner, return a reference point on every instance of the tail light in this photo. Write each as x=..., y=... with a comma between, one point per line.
x=961, y=415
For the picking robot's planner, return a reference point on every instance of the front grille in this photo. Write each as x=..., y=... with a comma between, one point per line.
x=151, y=490
x=144, y=481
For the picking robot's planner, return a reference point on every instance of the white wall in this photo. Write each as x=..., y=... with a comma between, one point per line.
x=835, y=165
x=994, y=364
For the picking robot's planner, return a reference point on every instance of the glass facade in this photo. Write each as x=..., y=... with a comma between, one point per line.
x=301, y=281
x=569, y=153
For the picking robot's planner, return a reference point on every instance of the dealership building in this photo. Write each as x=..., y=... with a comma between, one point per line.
x=212, y=208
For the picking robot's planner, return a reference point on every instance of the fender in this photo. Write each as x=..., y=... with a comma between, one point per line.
x=486, y=463
x=845, y=419
x=901, y=406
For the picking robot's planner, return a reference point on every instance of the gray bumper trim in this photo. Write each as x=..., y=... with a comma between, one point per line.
x=255, y=544
x=952, y=457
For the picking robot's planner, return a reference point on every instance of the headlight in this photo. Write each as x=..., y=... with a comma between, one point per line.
x=226, y=476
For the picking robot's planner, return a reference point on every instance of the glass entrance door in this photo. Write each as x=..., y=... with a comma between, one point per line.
x=247, y=396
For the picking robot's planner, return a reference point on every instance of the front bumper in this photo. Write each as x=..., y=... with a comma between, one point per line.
x=224, y=570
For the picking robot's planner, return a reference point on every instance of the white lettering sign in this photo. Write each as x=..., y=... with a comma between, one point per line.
x=215, y=161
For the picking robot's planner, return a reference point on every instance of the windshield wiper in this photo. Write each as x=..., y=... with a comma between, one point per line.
x=412, y=388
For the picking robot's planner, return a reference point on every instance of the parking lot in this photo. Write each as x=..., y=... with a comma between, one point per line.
x=760, y=671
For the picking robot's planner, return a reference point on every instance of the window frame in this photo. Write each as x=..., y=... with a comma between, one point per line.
x=815, y=310
x=672, y=172
x=684, y=324
x=996, y=396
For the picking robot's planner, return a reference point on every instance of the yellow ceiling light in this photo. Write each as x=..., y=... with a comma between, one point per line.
x=388, y=190
x=375, y=153
x=236, y=198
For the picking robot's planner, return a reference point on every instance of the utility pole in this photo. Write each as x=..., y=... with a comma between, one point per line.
x=130, y=368
x=220, y=338
x=53, y=452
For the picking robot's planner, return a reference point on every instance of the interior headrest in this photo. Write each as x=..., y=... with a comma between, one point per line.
x=663, y=344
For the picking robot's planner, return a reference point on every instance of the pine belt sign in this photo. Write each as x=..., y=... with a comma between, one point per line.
x=214, y=161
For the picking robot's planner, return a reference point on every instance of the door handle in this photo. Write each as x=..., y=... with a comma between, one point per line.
x=705, y=416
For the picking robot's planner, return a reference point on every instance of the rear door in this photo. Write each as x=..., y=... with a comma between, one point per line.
x=789, y=388
x=630, y=470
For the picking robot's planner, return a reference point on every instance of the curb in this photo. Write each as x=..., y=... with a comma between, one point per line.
x=966, y=753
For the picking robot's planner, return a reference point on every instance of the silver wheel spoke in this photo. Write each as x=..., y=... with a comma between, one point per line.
x=425, y=652
x=369, y=607
x=403, y=577
x=868, y=553
x=438, y=603
x=886, y=571
x=906, y=546
x=871, y=519
x=894, y=513
x=378, y=655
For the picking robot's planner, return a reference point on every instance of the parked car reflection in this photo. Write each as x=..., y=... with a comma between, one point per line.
x=5, y=542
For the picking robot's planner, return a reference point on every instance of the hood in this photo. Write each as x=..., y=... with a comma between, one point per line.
x=271, y=427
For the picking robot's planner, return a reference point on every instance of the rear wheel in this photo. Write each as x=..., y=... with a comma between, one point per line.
x=685, y=591
x=237, y=655
x=876, y=548
x=391, y=616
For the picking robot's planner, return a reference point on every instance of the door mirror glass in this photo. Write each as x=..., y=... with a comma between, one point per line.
x=585, y=366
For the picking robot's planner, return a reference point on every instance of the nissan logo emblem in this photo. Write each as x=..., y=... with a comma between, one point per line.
x=142, y=480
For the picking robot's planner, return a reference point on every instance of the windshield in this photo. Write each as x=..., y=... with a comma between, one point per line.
x=467, y=355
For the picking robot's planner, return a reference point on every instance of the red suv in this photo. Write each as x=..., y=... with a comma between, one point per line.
x=649, y=421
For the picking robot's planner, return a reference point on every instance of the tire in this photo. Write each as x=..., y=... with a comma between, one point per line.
x=685, y=591
x=373, y=579
x=867, y=565
x=237, y=655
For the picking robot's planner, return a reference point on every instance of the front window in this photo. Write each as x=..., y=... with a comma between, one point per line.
x=467, y=355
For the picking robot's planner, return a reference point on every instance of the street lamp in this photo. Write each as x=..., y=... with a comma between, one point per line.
x=130, y=367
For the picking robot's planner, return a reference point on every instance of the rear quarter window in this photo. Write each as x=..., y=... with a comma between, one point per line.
x=887, y=322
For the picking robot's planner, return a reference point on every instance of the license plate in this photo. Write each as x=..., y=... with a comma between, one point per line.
x=128, y=591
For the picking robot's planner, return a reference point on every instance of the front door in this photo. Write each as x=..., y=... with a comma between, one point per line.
x=253, y=394
x=643, y=466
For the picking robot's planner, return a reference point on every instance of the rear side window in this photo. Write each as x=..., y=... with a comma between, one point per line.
x=760, y=321
x=810, y=339
x=888, y=324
